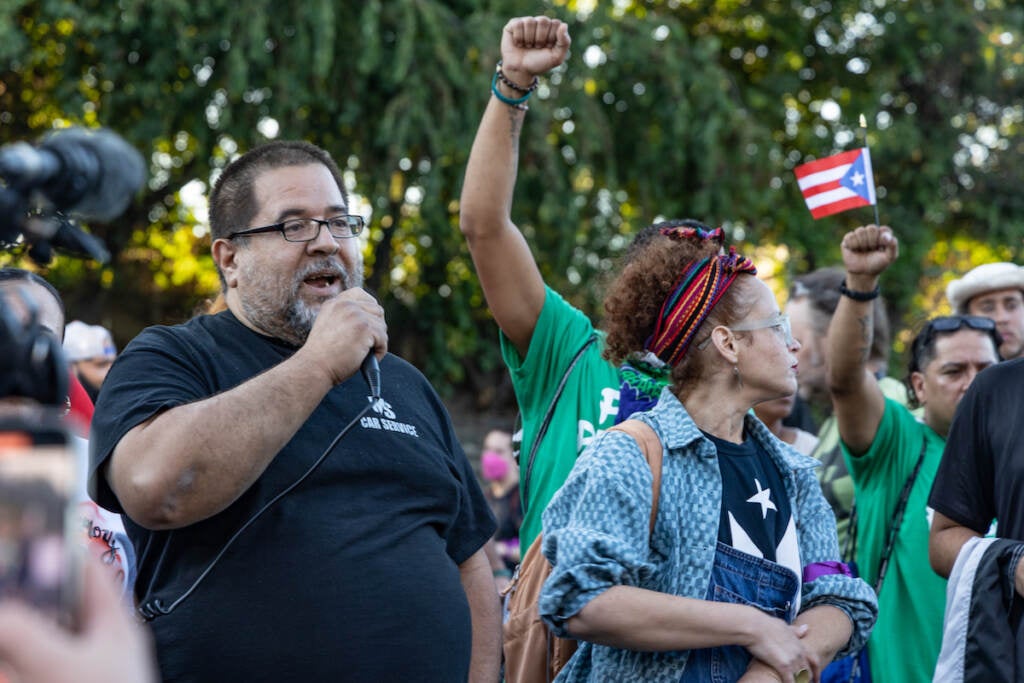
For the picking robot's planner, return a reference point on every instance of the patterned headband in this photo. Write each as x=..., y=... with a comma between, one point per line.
x=695, y=293
x=680, y=232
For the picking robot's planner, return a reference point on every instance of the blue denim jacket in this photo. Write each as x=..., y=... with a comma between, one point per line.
x=596, y=536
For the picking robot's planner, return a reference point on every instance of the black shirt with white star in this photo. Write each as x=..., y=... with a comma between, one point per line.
x=755, y=507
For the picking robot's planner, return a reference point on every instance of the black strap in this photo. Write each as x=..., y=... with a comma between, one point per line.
x=897, y=519
x=890, y=541
x=547, y=419
x=850, y=553
x=150, y=607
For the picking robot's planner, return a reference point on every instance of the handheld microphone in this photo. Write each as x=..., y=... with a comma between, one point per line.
x=371, y=373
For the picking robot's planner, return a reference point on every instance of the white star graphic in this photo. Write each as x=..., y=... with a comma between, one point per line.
x=857, y=178
x=763, y=498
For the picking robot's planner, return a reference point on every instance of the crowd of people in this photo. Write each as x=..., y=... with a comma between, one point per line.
x=296, y=504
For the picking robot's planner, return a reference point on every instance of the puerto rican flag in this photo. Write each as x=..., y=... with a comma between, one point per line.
x=837, y=183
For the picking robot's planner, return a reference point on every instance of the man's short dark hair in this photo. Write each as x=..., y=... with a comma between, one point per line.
x=233, y=203
x=922, y=349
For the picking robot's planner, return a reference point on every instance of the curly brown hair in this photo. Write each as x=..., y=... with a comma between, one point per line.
x=635, y=298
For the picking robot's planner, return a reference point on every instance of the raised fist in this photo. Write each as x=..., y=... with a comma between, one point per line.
x=531, y=46
x=869, y=250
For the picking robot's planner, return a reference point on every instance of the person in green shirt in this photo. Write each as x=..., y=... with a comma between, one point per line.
x=886, y=446
x=541, y=333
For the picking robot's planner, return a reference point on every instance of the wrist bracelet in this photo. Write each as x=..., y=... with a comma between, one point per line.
x=859, y=296
x=501, y=573
x=512, y=84
x=518, y=103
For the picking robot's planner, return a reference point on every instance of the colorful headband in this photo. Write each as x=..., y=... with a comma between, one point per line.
x=695, y=293
x=679, y=232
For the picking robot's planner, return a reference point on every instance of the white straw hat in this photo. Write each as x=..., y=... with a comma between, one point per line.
x=986, y=278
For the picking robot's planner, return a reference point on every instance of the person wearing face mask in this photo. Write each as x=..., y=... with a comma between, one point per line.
x=501, y=477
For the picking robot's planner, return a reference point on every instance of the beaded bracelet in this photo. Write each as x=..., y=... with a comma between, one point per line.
x=518, y=103
x=512, y=84
x=859, y=296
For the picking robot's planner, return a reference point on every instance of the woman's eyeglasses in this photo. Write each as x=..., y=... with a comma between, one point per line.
x=781, y=321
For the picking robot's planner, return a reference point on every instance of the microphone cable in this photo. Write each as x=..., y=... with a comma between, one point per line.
x=150, y=609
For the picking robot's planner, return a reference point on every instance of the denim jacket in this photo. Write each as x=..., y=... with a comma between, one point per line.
x=596, y=536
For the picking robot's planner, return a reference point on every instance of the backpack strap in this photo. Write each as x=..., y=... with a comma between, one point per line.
x=653, y=451
x=528, y=470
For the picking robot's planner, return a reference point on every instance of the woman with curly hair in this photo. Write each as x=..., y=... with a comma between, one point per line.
x=739, y=579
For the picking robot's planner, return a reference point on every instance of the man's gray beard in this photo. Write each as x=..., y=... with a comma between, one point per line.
x=299, y=320
x=294, y=326
x=278, y=326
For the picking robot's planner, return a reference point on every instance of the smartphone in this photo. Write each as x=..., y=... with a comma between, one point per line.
x=39, y=560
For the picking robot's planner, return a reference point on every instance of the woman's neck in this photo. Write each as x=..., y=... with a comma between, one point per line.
x=718, y=410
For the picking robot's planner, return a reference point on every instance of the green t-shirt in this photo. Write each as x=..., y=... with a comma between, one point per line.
x=588, y=404
x=905, y=643
x=836, y=483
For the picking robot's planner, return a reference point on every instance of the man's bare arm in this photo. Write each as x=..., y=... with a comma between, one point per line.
x=857, y=399
x=192, y=461
x=508, y=273
x=485, y=611
x=945, y=541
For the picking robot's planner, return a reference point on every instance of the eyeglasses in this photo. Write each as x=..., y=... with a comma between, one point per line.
x=952, y=323
x=308, y=229
x=780, y=321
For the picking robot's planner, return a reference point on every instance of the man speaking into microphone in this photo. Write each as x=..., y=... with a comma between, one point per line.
x=289, y=525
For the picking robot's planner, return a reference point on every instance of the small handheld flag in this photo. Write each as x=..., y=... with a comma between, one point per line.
x=837, y=183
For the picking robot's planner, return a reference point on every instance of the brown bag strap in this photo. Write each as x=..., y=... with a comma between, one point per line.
x=653, y=451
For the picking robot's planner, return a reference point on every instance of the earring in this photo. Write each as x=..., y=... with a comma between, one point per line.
x=736, y=372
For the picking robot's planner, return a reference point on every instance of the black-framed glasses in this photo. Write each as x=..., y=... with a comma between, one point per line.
x=308, y=229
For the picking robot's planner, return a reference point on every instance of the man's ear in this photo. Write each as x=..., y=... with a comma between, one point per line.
x=917, y=383
x=225, y=253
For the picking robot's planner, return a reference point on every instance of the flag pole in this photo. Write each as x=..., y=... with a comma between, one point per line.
x=864, y=139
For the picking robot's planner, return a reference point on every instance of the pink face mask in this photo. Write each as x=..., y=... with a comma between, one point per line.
x=493, y=466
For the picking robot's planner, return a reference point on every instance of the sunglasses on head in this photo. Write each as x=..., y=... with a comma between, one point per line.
x=952, y=323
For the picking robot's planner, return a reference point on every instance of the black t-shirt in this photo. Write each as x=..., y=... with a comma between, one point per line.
x=981, y=475
x=755, y=507
x=351, y=576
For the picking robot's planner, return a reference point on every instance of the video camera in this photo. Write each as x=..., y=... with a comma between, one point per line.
x=39, y=466
x=88, y=173
x=32, y=363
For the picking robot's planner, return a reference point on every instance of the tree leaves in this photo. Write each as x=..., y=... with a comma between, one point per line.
x=665, y=109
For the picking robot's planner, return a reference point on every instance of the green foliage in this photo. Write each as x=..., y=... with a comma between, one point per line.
x=667, y=108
